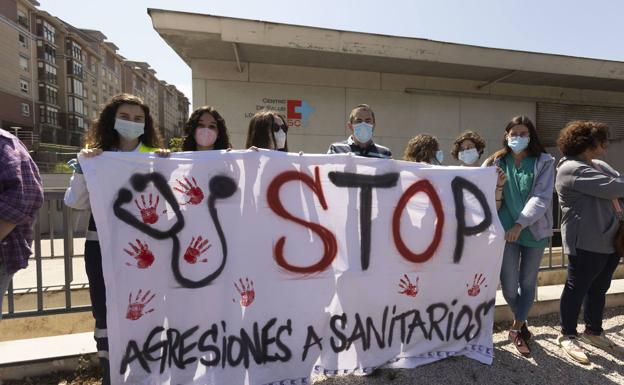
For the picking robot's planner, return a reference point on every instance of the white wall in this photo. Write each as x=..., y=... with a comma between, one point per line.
x=439, y=106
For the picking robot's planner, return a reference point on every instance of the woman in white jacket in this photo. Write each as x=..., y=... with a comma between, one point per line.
x=124, y=124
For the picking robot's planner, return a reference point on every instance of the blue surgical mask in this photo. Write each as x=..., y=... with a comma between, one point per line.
x=129, y=130
x=468, y=156
x=518, y=143
x=363, y=132
x=439, y=156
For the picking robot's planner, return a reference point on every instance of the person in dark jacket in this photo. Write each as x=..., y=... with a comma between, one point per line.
x=589, y=190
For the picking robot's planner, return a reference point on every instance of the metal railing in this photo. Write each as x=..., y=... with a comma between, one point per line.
x=46, y=230
x=52, y=214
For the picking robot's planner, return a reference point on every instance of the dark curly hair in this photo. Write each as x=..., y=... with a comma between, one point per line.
x=468, y=135
x=580, y=135
x=260, y=129
x=223, y=139
x=102, y=133
x=421, y=148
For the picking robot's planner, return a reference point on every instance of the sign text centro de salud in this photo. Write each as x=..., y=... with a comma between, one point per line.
x=297, y=111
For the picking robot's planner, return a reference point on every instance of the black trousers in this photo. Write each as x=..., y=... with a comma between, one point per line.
x=589, y=278
x=97, y=292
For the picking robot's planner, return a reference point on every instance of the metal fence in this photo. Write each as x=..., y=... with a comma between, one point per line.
x=55, y=214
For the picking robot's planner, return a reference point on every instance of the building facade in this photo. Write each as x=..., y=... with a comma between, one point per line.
x=54, y=79
x=315, y=76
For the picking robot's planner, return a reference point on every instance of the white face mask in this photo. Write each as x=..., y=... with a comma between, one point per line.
x=439, y=156
x=363, y=132
x=280, y=139
x=468, y=156
x=129, y=130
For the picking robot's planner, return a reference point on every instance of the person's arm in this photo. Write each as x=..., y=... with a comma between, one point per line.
x=538, y=203
x=21, y=193
x=331, y=149
x=77, y=195
x=590, y=181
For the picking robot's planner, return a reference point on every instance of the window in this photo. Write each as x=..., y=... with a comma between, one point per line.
x=22, y=19
x=76, y=69
x=94, y=82
x=75, y=50
x=49, y=32
x=48, y=94
x=75, y=86
x=50, y=73
x=49, y=115
x=93, y=66
x=23, y=42
x=75, y=105
x=49, y=54
x=24, y=86
x=94, y=97
x=23, y=63
x=76, y=122
x=25, y=109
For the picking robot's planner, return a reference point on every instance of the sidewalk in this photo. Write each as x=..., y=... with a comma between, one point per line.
x=548, y=364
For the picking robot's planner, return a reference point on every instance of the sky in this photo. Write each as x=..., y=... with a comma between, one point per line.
x=592, y=29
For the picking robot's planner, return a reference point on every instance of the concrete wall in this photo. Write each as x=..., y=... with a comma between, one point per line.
x=439, y=106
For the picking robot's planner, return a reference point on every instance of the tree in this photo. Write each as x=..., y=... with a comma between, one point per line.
x=175, y=143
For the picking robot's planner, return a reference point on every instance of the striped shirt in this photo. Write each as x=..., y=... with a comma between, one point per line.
x=21, y=196
x=349, y=146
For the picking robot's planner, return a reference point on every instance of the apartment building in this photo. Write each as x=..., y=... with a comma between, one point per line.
x=18, y=69
x=54, y=79
x=173, y=110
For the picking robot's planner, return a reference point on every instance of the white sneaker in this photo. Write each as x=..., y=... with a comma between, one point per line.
x=570, y=345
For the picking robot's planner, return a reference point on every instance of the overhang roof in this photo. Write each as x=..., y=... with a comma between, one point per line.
x=200, y=36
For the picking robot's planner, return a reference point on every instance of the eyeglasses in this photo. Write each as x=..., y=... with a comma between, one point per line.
x=277, y=127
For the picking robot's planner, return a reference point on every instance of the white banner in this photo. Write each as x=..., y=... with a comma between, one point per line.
x=263, y=267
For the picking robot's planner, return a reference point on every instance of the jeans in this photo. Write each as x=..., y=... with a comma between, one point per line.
x=5, y=279
x=589, y=278
x=519, y=277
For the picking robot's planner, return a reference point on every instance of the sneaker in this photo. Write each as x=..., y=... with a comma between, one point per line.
x=570, y=345
x=600, y=341
x=516, y=338
x=525, y=333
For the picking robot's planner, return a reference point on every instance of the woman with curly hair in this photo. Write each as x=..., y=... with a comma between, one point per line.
x=468, y=148
x=124, y=124
x=526, y=216
x=424, y=148
x=206, y=130
x=589, y=194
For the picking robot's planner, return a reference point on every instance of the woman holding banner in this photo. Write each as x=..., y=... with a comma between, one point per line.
x=424, y=148
x=124, y=124
x=206, y=130
x=526, y=215
x=268, y=130
x=592, y=231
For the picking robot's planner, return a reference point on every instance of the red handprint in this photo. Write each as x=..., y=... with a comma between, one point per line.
x=475, y=289
x=136, y=309
x=195, y=248
x=246, y=291
x=191, y=190
x=141, y=253
x=148, y=211
x=409, y=289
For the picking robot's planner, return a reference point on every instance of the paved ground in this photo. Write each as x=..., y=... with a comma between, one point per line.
x=548, y=365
